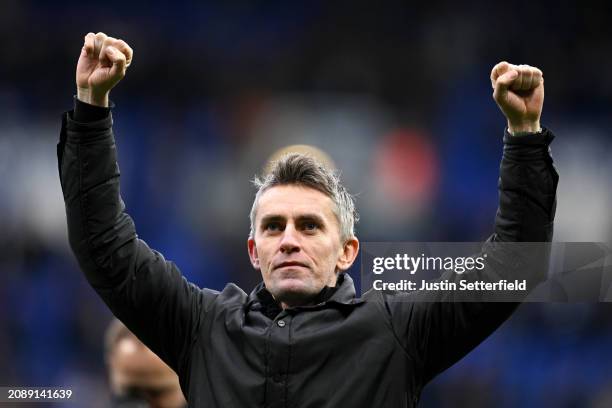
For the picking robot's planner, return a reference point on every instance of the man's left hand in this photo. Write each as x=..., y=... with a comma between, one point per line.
x=519, y=93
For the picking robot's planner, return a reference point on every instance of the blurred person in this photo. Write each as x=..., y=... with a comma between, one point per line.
x=302, y=337
x=138, y=378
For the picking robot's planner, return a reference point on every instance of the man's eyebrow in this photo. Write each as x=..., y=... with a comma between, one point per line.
x=311, y=217
x=271, y=217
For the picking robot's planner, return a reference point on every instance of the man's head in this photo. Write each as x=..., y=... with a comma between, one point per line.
x=137, y=376
x=302, y=229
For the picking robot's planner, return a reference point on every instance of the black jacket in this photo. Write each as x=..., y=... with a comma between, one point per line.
x=231, y=349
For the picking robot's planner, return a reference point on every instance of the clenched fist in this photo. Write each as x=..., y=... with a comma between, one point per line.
x=102, y=64
x=519, y=93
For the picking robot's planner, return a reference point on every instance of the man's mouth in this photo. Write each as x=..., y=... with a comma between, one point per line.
x=290, y=264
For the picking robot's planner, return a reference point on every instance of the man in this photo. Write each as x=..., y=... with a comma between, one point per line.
x=138, y=378
x=301, y=338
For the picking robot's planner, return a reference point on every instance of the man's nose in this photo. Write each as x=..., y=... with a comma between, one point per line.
x=290, y=241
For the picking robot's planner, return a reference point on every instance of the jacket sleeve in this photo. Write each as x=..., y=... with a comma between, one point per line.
x=436, y=334
x=141, y=288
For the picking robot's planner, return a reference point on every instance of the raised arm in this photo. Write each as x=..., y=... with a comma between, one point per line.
x=141, y=288
x=434, y=330
x=528, y=179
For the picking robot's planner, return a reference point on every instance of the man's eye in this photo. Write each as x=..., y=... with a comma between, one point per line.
x=310, y=226
x=273, y=226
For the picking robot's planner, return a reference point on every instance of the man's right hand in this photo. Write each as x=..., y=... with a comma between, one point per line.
x=102, y=64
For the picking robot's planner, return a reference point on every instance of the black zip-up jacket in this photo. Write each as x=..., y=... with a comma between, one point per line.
x=233, y=349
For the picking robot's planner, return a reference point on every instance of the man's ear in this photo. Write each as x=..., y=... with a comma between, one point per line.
x=348, y=255
x=253, y=253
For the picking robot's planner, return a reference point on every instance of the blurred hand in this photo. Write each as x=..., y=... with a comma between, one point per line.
x=519, y=93
x=102, y=64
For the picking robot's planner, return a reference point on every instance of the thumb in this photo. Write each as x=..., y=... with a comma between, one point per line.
x=503, y=83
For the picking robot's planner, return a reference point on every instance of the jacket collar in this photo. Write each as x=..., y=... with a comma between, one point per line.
x=342, y=294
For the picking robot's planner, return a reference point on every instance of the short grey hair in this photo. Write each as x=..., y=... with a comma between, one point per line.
x=304, y=170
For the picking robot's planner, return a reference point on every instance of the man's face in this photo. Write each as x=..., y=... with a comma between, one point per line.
x=137, y=372
x=296, y=243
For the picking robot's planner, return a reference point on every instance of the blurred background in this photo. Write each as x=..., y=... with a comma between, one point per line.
x=396, y=93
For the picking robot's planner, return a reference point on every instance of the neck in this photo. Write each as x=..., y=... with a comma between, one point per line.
x=324, y=294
